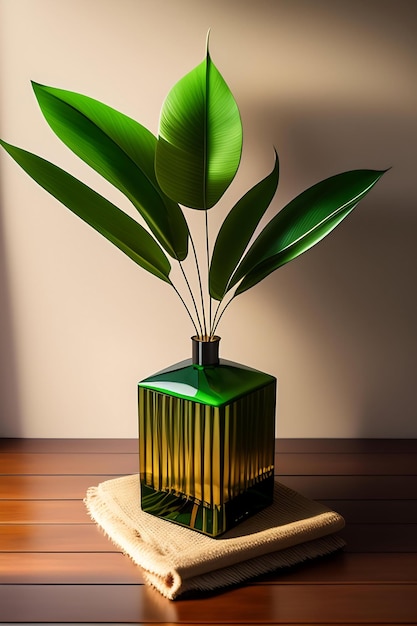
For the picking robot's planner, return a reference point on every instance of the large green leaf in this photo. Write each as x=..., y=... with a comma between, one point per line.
x=200, y=138
x=102, y=215
x=237, y=230
x=122, y=151
x=303, y=223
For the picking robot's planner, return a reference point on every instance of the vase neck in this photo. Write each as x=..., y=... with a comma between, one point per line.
x=205, y=352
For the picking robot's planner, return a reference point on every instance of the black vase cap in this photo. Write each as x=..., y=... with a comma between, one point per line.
x=205, y=352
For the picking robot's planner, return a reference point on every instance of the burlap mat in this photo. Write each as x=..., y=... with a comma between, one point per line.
x=175, y=559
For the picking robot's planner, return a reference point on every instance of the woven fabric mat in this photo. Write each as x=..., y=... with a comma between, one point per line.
x=176, y=559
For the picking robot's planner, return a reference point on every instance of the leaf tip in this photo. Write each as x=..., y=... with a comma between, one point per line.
x=37, y=87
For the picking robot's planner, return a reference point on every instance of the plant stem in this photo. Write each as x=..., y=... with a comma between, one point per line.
x=200, y=286
x=186, y=307
x=192, y=297
x=222, y=313
x=212, y=327
x=208, y=269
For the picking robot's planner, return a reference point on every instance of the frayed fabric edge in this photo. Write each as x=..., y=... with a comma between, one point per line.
x=168, y=581
x=266, y=564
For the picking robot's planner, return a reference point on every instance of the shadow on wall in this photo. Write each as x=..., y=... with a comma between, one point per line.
x=353, y=304
x=353, y=297
x=10, y=421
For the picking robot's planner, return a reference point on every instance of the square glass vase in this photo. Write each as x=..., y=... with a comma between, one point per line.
x=206, y=441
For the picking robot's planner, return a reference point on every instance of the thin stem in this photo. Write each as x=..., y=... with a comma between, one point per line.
x=222, y=313
x=192, y=296
x=200, y=286
x=208, y=269
x=186, y=307
x=212, y=327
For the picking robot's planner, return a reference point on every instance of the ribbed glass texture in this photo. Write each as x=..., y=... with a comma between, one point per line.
x=206, y=437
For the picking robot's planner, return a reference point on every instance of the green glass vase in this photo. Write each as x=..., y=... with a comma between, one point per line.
x=206, y=441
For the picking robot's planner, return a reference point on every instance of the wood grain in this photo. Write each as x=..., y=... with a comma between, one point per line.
x=252, y=604
x=66, y=570
x=71, y=487
x=288, y=446
x=114, y=568
x=76, y=538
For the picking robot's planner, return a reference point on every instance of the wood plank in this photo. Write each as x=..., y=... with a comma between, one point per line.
x=115, y=568
x=74, y=511
x=72, y=446
x=375, y=511
x=346, y=446
x=373, y=538
x=47, y=487
x=44, y=512
x=347, y=464
x=341, y=568
x=286, y=603
x=284, y=445
x=64, y=464
x=353, y=487
x=360, y=538
x=54, y=538
x=68, y=568
x=70, y=487
x=292, y=464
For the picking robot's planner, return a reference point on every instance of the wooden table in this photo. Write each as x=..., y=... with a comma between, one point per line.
x=56, y=566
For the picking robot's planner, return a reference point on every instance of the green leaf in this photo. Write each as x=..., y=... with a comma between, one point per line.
x=129, y=236
x=237, y=230
x=263, y=269
x=122, y=151
x=303, y=223
x=200, y=138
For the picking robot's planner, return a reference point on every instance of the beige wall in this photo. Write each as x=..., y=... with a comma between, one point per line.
x=332, y=84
